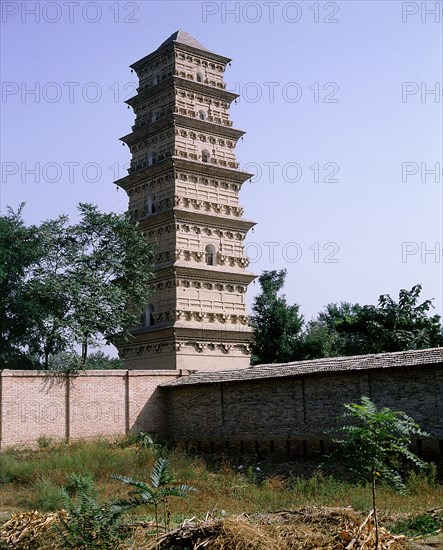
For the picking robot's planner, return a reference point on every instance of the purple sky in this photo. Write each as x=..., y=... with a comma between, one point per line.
x=336, y=99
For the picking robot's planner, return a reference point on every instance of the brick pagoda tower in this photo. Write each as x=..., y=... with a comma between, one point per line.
x=183, y=187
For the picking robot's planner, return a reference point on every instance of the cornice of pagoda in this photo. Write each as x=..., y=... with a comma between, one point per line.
x=175, y=81
x=200, y=274
x=149, y=129
x=138, y=177
x=179, y=215
x=211, y=169
x=184, y=337
x=206, y=274
x=174, y=120
x=201, y=87
x=169, y=48
x=207, y=126
x=204, y=218
x=178, y=163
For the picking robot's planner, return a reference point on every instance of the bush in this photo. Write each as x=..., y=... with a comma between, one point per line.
x=46, y=496
x=89, y=524
x=423, y=524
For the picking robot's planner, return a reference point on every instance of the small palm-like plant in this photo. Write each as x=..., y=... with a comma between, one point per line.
x=375, y=446
x=157, y=493
x=87, y=523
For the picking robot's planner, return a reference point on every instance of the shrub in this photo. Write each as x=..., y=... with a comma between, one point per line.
x=89, y=524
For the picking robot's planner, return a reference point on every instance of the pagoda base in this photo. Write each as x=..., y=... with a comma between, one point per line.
x=179, y=348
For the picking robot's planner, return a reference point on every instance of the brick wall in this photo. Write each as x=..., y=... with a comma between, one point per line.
x=34, y=404
x=291, y=414
x=281, y=415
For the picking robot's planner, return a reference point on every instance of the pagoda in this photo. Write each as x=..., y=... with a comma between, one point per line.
x=183, y=185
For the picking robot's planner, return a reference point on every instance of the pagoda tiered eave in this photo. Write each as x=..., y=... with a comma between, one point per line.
x=223, y=274
x=138, y=65
x=165, y=165
x=178, y=81
x=183, y=121
x=178, y=215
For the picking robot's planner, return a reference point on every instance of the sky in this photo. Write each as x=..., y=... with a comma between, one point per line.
x=342, y=107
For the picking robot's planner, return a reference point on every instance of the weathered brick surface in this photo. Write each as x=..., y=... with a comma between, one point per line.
x=34, y=404
x=301, y=408
x=241, y=413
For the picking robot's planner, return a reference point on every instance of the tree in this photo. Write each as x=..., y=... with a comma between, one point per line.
x=109, y=277
x=87, y=282
x=19, y=249
x=276, y=324
x=351, y=329
x=375, y=446
x=48, y=286
x=70, y=361
x=323, y=337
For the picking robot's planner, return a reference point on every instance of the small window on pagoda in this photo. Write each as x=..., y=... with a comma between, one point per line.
x=205, y=156
x=149, y=316
x=199, y=77
x=210, y=255
x=152, y=158
x=155, y=115
x=202, y=115
x=157, y=79
x=151, y=204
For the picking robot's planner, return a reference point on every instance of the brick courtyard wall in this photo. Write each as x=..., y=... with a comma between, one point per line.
x=93, y=403
x=274, y=415
x=290, y=415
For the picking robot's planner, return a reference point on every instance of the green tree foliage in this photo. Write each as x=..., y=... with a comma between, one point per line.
x=72, y=284
x=276, y=324
x=19, y=249
x=351, y=329
x=375, y=446
x=98, y=360
x=70, y=361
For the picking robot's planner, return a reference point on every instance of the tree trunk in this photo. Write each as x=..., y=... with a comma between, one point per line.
x=84, y=352
x=374, y=507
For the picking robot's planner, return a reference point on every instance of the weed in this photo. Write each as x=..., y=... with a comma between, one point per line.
x=423, y=524
x=44, y=442
x=87, y=523
x=157, y=493
x=46, y=496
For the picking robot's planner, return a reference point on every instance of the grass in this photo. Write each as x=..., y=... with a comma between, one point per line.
x=29, y=479
x=422, y=524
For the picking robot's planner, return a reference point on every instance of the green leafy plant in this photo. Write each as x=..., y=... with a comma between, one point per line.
x=422, y=524
x=162, y=486
x=375, y=446
x=89, y=524
x=145, y=441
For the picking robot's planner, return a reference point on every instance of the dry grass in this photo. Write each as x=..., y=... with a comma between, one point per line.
x=30, y=479
x=303, y=529
x=307, y=529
